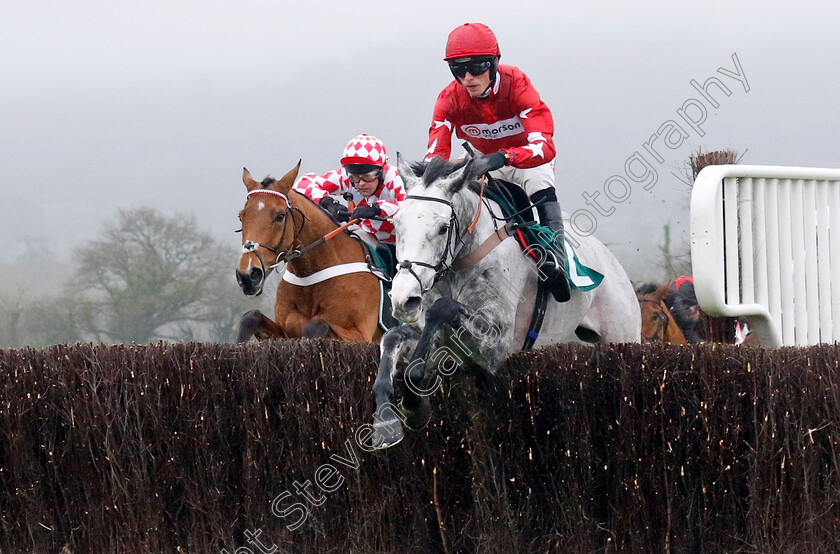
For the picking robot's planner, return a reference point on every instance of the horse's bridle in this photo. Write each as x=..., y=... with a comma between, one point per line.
x=441, y=268
x=251, y=246
x=659, y=336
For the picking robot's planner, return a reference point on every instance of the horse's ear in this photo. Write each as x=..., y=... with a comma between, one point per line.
x=662, y=291
x=409, y=177
x=402, y=166
x=458, y=178
x=249, y=181
x=286, y=182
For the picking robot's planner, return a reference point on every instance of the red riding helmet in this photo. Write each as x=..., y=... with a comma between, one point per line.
x=471, y=39
x=365, y=149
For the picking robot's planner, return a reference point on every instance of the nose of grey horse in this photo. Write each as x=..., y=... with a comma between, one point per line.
x=412, y=304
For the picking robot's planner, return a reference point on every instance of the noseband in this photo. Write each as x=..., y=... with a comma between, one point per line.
x=251, y=246
x=441, y=268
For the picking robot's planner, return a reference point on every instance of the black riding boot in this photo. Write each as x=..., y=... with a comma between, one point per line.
x=554, y=267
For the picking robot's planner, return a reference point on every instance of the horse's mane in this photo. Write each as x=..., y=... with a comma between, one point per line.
x=647, y=288
x=436, y=168
x=268, y=181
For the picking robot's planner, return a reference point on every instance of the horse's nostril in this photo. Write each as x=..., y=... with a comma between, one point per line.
x=242, y=279
x=256, y=275
x=412, y=304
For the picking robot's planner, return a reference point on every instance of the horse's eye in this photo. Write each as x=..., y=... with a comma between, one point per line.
x=280, y=216
x=443, y=230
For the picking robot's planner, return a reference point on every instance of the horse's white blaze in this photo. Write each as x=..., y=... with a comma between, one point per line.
x=260, y=206
x=250, y=259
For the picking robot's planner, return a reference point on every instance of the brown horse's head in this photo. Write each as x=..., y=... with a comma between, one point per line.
x=269, y=228
x=657, y=323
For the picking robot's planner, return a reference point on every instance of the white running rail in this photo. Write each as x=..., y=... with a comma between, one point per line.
x=765, y=245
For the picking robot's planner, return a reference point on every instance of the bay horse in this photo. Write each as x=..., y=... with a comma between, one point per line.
x=658, y=325
x=326, y=290
x=465, y=293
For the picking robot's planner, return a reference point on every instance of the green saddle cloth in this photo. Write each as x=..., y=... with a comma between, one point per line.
x=580, y=276
x=514, y=204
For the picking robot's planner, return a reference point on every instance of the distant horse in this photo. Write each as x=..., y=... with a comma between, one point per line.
x=696, y=325
x=465, y=293
x=326, y=290
x=700, y=326
x=657, y=323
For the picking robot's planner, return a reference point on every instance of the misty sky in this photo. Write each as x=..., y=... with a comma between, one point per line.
x=124, y=104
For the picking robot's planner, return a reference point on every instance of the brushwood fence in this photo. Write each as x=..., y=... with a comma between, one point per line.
x=222, y=448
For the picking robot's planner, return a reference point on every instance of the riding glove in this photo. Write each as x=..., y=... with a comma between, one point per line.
x=366, y=212
x=495, y=160
x=336, y=210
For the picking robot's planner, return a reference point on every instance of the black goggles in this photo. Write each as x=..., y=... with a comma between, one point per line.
x=474, y=68
x=368, y=177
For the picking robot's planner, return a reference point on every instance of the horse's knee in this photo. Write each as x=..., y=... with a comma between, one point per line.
x=390, y=341
x=315, y=329
x=443, y=309
x=393, y=338
x=248, y=324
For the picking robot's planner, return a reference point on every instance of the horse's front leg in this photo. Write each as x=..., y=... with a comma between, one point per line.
x=396, y=346
x=453, y=335
x=256, y=324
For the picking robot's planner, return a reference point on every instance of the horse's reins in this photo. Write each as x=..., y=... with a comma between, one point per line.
x=474, y=222
x=285, y=256
x=335, y=232
x=317, y=242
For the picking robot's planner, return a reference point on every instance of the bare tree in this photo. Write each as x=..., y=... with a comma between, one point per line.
x=156, y=277
x=28, y=320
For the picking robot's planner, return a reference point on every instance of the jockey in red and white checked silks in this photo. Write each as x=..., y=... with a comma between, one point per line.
x=364, y=150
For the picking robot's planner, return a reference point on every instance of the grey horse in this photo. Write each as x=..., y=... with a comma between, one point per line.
x=465, y=293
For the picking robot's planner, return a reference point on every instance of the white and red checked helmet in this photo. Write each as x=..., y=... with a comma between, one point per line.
x=365, y=149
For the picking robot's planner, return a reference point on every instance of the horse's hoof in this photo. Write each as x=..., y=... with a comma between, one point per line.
x=386, y=433
x=419, y=418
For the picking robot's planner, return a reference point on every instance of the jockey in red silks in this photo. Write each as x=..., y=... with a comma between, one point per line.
x=375, y=186
x=497, y=110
